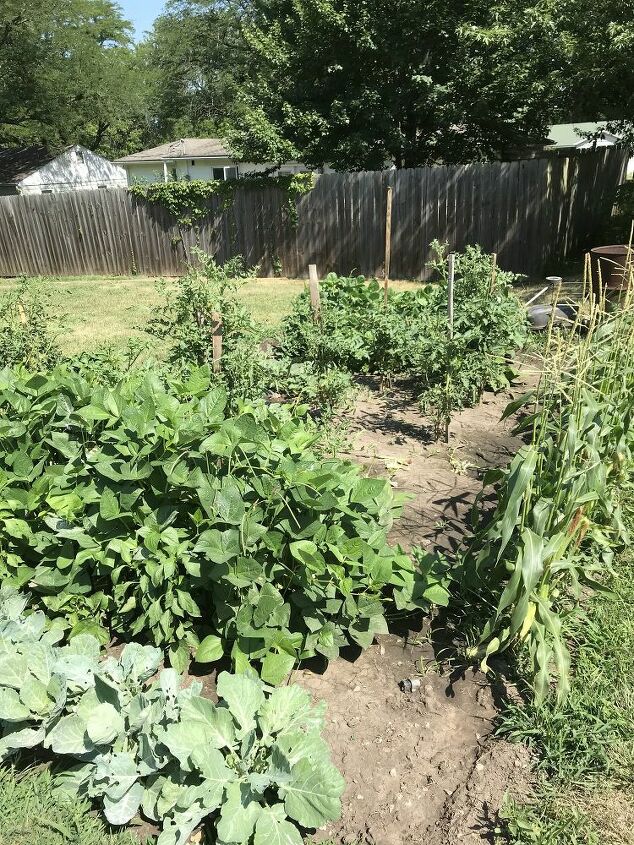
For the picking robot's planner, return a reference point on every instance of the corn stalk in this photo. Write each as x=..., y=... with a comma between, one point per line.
x=558, y=515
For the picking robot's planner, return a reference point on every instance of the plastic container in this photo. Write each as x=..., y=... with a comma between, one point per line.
x=611, y=269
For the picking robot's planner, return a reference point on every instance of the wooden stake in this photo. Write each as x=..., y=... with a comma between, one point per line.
x=494, y=270
x=388, y=240
x=216, y=318
x=315, y=298
x=450, y=286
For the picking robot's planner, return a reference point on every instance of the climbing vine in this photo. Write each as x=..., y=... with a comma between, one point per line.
x=188, y=201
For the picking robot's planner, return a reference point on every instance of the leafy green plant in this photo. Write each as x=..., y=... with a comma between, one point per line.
x=108, y=364
x=186, y=321
x=188, y=201
x=147, y=508
x=408, y=338
x=255, y=762
x=549, y=823
x=25, y=328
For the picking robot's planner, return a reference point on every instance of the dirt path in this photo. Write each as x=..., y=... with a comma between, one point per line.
x=420, y=767
x=392, y=439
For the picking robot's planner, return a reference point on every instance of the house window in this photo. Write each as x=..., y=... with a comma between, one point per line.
x=102, y=187
x=47, y=190
x=193, y=163
x=222, y=174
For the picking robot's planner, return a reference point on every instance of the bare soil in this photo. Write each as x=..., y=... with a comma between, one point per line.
x=420, y=767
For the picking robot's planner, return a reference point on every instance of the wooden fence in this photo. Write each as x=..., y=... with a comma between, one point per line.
x=531, y=213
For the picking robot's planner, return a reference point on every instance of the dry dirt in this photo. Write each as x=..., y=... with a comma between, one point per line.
x=420, y=767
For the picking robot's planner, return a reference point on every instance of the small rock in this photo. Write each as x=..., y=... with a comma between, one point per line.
x=479, y=767
x=359, y=797
x=393, y=773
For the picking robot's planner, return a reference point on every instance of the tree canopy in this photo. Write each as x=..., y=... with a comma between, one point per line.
x=352, y=83
x=68, y=74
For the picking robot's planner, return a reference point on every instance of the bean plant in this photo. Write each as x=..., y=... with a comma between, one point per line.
x=148, y=510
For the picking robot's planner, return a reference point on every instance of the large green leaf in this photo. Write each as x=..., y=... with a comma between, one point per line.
x=244, y=697
x=217, y=721
x=183, y=738
x=69, y=737
x=285, y=709
x=272, y=828
x=210, y=650
x=238, y=816
x=104, y=724
x=312, y=796
x=11, y=708
x=122, y=810
x=34, y=695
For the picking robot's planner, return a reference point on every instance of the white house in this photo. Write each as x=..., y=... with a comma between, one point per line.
x=35, y=170
x=193, y=158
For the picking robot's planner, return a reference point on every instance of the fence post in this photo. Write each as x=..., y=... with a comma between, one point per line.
x=450, y=286
x=216, y=339
x=313, y=284
x=388, y=242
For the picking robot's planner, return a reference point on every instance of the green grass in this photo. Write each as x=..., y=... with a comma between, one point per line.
x=585, y=748
x=32, y=814
x=100, y=310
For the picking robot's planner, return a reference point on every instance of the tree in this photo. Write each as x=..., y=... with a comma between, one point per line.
x=194, y=56
x=68, y=74
x=358, y=84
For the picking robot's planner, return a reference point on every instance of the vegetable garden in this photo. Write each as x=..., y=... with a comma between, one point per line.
x=182, y=546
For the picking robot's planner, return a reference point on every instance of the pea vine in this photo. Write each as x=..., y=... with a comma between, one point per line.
x=188, y=201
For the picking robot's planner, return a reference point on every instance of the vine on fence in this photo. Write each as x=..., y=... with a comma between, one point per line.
x=187, y=200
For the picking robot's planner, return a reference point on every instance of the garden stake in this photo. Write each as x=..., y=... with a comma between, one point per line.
x=494, y=270
x=388, y=242
x=315, y=298
x=216, y=341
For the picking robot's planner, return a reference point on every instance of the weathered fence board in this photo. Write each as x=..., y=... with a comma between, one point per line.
x=531, y=213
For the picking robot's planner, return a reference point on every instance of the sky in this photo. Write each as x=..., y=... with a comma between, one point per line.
x=142, y=13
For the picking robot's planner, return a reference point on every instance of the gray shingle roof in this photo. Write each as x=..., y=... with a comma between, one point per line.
x=184, y=148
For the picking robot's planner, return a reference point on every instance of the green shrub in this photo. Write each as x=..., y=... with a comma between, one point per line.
x=255, y=762
x=25, y=328
x=146, y=508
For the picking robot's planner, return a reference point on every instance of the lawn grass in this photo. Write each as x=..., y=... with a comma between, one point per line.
x=31, y=813
x=98, y=310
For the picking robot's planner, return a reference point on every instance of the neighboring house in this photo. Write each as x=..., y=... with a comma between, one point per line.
x=193, y=158
x=35, y=170
x=574, y=136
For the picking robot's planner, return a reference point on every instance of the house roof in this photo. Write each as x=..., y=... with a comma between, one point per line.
x=16, y=163
x=573, y=134
x=183, y=148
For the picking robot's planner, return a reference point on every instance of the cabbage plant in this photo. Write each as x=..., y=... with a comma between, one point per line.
x=254, y=763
